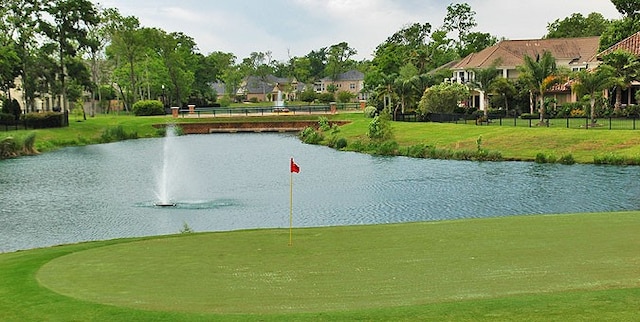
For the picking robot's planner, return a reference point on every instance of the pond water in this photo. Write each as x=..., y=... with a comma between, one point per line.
x=240, y=181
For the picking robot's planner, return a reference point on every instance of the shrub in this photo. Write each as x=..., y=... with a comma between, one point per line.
x=341, y=143
x=323, y=124
x=117, y=134
x=529, y=116
x=148, y=108
x=44, y=120
x=386, y=148
x=28, y=143
x=8, y=148
x=379, y=129
x=225, y=101
x=370, y=111
x=310, y=136
x=567, y=159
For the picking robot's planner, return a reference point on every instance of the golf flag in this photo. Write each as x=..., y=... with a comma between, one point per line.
x=294, y=167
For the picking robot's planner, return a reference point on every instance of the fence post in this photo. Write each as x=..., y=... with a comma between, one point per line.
x=609, y=122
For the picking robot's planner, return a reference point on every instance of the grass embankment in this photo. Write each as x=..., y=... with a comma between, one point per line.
x=563, y=268
x=584, y=146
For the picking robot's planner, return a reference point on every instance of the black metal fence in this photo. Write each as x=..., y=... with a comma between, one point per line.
x=268, y=110
x=26, y=122
x=608, y=123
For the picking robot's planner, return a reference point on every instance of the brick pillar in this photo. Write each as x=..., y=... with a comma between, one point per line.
x=334, y=107
x=174, y=111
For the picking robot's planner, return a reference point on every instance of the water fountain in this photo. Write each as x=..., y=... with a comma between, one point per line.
x=164, y=181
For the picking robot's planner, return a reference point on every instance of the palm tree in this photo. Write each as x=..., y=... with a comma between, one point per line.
x=482, y=82
x=626, y=66
x=590, y=82
x=540, y=74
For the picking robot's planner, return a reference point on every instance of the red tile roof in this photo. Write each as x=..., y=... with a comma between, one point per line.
x=630, y=44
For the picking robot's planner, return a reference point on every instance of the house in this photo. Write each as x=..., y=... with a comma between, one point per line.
x=572, y=53
x=267, y=89
x=351, y=81
x=632, y=45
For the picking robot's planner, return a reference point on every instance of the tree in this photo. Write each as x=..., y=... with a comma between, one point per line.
x=629, y=8
x=10, y=65
x=126, y=49
x=477, y=41
x=482, y=81
x=622, y=28
x=259, y=64
x=590, y=82
x=409, y=42
x=539, y=74
x=578, y=25
x=339, y=58
x=505, y=88
x=459, y=18
x=626, y=68
x=442, y=98
x=71, y=20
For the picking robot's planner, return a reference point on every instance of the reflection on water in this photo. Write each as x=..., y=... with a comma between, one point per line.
x=239, y=181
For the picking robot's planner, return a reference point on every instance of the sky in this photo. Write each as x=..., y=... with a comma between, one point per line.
x=293, y=28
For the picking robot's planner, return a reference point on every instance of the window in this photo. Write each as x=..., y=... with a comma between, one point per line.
x=352, y=86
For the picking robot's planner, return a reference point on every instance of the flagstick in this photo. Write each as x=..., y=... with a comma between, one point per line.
x=291, y=209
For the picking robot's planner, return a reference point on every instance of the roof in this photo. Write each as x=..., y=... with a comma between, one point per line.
x=630, y=44
x=511, y=53
x=352, y=75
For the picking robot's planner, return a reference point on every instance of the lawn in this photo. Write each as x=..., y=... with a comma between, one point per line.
x=513, y=143
x=562, y=267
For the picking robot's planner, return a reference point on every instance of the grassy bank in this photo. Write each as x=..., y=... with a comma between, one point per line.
x=563, y=268
x=527, y=144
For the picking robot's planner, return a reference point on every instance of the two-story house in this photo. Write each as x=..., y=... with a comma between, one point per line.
x=507, y=55
x=351, y=81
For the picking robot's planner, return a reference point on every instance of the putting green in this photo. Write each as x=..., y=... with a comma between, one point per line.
x=356, y=267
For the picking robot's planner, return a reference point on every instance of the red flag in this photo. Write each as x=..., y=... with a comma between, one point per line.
x=294, y=167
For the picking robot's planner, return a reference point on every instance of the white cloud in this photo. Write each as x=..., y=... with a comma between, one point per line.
x=300, y=26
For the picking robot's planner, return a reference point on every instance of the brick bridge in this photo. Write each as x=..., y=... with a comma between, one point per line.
x=234, y=127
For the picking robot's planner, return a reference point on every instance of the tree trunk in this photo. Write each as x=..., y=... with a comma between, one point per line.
x=593, y=110
x=542, y=108
x=617, y=106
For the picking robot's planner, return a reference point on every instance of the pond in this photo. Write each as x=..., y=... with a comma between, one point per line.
x=239, y=181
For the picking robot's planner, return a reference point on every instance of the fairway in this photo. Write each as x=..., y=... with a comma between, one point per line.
x=355, y=268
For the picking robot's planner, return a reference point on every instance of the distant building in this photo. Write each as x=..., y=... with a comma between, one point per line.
x=351, y=81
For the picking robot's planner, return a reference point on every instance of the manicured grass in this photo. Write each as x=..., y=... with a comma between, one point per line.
x=513, y=143
x=562, y=267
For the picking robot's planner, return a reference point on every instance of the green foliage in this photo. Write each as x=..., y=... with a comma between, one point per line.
x=148, y=108
x=345, y=96
x=310, y=136
x=341, y=143
x=370, y=111
x=186, y=229
x=323, y=124
x=615, y=159
x=117, y=133
x=44, y=120
x=564, y=159
x=442, y=98
x=578, y=25
x=225, y=101
x=326, y=97
x=9, y=148
x=567, y=159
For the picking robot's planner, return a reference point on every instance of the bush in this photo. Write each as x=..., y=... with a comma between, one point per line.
x=310, y=136
x=44, y=120
x=530, y=116
x=148, y=108
x=341, y=143
x=370, y=111
x=117, y=134
x=225, y=101
x=567, y=159
x=379, y=129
